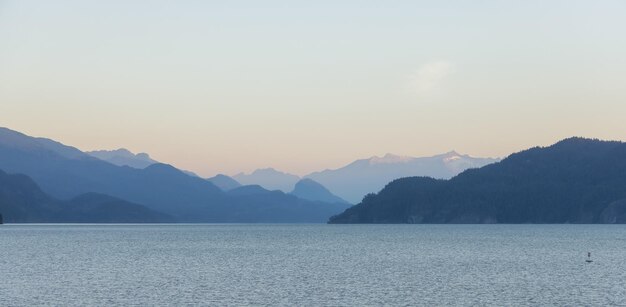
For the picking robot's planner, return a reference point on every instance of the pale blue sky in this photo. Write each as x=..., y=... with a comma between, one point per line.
x=306, y=85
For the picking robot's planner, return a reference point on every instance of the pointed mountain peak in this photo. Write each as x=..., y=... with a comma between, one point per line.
x=163, y=168
x=452, y=156
x=310, y=189
x=225, y=183
x=309, y=182
x=452, y=153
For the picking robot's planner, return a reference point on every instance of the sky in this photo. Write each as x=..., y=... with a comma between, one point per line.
x=231, y=86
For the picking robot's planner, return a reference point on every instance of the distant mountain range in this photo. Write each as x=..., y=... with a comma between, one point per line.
x=123, y=157
x=306, y=189
x=573, y=181
x=364, y=176
x=22, y=201
x=361, y=177
x=353, y=181
x=269, y=178
x=253, y=203
x=65, y=172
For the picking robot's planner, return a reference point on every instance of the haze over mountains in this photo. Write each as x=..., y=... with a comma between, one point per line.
x=305, y=188
x=349, y=183
x=65, y=172
x=269, y=178
x=311, y=190
x=361, y=177
x=224, y=182
x=22, y=201
x=364, y=176
x=573, y=181
x=123, y=157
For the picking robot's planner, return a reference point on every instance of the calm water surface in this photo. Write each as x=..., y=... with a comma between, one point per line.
x=295, y=265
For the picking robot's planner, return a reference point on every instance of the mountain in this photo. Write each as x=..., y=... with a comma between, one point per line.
x=310, y=190
x=225, y=183
x=22, y=201
x=269, y=178
x=254, y=204
x=16, y=141
x=123, y=157
x=364, y=176
x=100, y=208
x=253, y=189
x=65, y=172
x=160, y=187
x=573, y=181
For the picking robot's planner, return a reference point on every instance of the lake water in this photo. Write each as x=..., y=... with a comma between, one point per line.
x=302, y=265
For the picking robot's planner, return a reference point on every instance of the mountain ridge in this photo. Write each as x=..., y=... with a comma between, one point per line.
x=575, y=180
x=360, y=177
x=123, y=157
x=159, y=187
x=311, y=190
x=22, y=201
x=224, y=182
x=268, y=178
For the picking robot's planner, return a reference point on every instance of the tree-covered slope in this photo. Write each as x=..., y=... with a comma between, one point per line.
x=21, y=201
x=573, y=181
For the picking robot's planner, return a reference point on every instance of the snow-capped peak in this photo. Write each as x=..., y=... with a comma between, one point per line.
x=452, y=156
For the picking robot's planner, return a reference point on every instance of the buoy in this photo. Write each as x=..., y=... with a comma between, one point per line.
x=588, y=258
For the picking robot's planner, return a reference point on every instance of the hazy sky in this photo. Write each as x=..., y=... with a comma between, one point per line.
x=229, y=86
